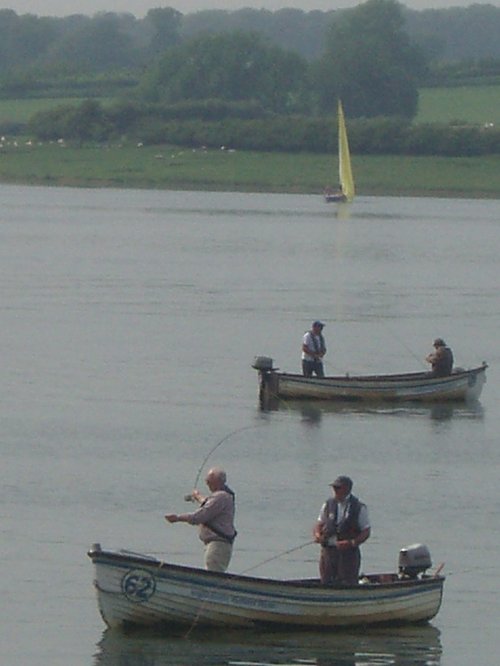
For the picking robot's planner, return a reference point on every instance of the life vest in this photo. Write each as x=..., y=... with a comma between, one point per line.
x=318, y=343
x=346, y=526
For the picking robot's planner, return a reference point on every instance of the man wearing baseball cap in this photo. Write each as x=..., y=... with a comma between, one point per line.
x=313, y=350
x=342, y=526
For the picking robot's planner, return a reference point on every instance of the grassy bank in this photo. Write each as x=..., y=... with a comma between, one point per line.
x=165, y=167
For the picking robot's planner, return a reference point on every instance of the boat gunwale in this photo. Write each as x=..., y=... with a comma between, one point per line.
x=408, y=376
x=216, y=578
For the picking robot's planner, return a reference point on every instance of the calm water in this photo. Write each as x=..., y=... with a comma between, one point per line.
x=128, y=323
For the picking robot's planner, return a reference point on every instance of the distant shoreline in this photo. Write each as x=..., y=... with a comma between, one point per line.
x=173, y=168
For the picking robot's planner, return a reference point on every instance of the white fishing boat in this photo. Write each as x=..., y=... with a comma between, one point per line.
x=347, y=190
x=138, y=590
x=462, y=385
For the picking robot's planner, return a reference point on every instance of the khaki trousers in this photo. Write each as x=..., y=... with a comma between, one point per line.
x=217, y=555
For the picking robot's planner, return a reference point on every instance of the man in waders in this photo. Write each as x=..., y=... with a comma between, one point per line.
x=342, y=526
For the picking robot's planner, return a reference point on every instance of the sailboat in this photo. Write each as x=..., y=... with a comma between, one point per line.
x=346, y=191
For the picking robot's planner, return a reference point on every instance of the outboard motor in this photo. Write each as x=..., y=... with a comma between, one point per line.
x=414, y=560
x=263, y=363
x=268, y=380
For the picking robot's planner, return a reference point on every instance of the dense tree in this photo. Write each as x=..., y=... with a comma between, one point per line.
x=23, y=39
x=292, y=29
x=165, y=23
x=95, y=45
x=370, y=62
x=231, y=66
x=456, y=33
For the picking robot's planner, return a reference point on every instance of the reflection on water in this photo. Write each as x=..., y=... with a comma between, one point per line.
x=415, y=645
x=312, y=411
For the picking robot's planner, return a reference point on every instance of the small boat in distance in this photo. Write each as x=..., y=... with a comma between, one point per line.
x=462, y=385
x=346, y=190
x=136, y=590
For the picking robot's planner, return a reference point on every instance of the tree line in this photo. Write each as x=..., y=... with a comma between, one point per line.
x=246, y=126
x=32, y=46
x=368, y=60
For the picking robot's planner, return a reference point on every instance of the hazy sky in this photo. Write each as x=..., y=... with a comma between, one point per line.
x=140, y=7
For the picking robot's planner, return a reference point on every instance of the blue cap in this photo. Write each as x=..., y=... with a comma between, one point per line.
x=318, y=323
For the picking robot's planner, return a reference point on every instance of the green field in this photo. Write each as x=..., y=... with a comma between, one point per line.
x=166, y=167
x=472, y=104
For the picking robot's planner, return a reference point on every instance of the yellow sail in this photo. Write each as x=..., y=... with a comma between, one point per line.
x=345, y=170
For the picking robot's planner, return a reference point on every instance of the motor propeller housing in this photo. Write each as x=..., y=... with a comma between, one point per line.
x=414, y=560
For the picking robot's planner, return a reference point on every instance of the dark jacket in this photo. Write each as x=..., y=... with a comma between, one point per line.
x=343, y=527
x=443, y=363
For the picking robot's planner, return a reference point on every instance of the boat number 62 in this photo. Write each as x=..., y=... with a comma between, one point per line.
x=138, y=585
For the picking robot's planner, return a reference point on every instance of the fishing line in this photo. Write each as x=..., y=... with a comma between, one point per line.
x=219, y=443
x=228, y=436
x=275, y=557
x=402, y=343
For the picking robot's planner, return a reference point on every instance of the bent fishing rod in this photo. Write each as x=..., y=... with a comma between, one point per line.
x=189, y=498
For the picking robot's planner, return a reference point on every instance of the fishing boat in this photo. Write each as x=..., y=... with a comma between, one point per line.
x=139, y=590
x=346, y=180
x=462, y=385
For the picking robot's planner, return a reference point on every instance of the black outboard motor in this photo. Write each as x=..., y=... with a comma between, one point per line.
x=414, y=560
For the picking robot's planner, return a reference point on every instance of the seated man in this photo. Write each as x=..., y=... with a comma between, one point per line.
x=441, y=360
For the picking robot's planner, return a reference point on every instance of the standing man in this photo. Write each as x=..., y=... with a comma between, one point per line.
x=341, y=528
x=441, y=359
x=313, y=350
x=215, y=518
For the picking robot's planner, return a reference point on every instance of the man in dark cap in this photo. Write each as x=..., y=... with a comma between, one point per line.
x=342, y=526
x=441, y=359
x=313, y=350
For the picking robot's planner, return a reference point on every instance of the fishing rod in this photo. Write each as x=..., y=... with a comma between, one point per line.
x=189, y=498
x=275, y=557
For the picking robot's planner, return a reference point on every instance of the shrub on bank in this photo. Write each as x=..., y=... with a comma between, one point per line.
x=245, y=126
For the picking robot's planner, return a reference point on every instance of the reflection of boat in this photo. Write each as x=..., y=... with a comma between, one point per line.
x=312, y=411
x=415, y=645
x=346, y=191
x=140, y=590
x=461, y=385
